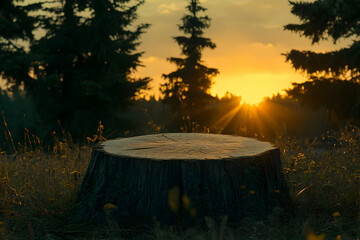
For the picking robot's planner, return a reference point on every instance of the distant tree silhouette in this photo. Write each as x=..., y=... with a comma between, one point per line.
x=187, y=88
x=16, y=30
x=83, y=66
x=340, y=98
x=321, y=20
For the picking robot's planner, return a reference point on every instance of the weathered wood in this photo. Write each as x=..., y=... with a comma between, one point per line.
x=181, y=177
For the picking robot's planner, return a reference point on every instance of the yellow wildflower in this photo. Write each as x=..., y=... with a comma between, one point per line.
x=336, y=214
x=186, y=201
x=109, y=206
x=313, y=236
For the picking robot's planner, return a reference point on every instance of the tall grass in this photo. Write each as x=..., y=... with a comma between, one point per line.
x=37, y=183
x=38, y=187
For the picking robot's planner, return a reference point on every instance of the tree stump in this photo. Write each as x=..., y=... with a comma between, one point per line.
x=176, y=178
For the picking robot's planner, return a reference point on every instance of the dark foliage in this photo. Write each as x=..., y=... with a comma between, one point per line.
x=58, y=65
x=83, y=65
x=16, y=30
x=339, y=97
x=109, y=86
x=18, y=121
x=324, y=20
x=187, y=88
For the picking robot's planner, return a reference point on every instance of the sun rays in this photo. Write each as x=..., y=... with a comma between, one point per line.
x=255, y=120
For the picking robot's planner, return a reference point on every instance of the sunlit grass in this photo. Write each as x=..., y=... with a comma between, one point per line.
x=38, y=188
x=324, y=175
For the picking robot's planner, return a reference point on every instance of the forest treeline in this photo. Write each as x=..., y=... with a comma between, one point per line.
x=82, y=71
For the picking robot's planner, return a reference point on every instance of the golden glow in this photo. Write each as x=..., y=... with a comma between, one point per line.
x=254, y=87
x=249, y=58
x=223, y=121
x=244, y=119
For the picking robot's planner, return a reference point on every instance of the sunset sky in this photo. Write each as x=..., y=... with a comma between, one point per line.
x=250, y=39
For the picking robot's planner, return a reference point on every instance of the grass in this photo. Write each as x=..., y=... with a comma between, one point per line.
x=38, y=187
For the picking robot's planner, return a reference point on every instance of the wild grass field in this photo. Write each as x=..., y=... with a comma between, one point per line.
x=38, y=188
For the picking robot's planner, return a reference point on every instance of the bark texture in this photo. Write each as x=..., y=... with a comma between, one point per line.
x=126, y=189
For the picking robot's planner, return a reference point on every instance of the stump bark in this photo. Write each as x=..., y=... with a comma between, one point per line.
x=178, y=178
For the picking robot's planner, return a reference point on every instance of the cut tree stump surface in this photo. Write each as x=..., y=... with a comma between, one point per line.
x=185, y=146
x=181, y=177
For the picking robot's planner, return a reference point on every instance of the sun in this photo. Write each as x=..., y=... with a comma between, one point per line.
x=253, y=87
x=250, y=89
x=252, y=99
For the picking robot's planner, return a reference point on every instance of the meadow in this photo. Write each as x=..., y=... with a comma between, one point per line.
x=39, y=187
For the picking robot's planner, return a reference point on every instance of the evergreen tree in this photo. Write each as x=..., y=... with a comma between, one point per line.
x=339, y=97
x=323, y=20
x=109, y=85
x=84, y=65
x=58, y=59
x=16, y=30
x=187, y=88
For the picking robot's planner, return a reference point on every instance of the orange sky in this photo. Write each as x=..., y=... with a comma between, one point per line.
x=250, y=39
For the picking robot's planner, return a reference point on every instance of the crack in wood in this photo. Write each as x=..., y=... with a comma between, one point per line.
x=140, y=148
x=169, y=138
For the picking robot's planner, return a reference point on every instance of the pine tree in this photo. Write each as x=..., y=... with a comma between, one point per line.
x=16, y=31
x=57, y=61
x=187, y=88
x=84, y=65
x=331, y=74
x=109, y=85
x=321, y=20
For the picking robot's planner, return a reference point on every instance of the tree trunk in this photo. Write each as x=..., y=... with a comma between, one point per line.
x=178, y=178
